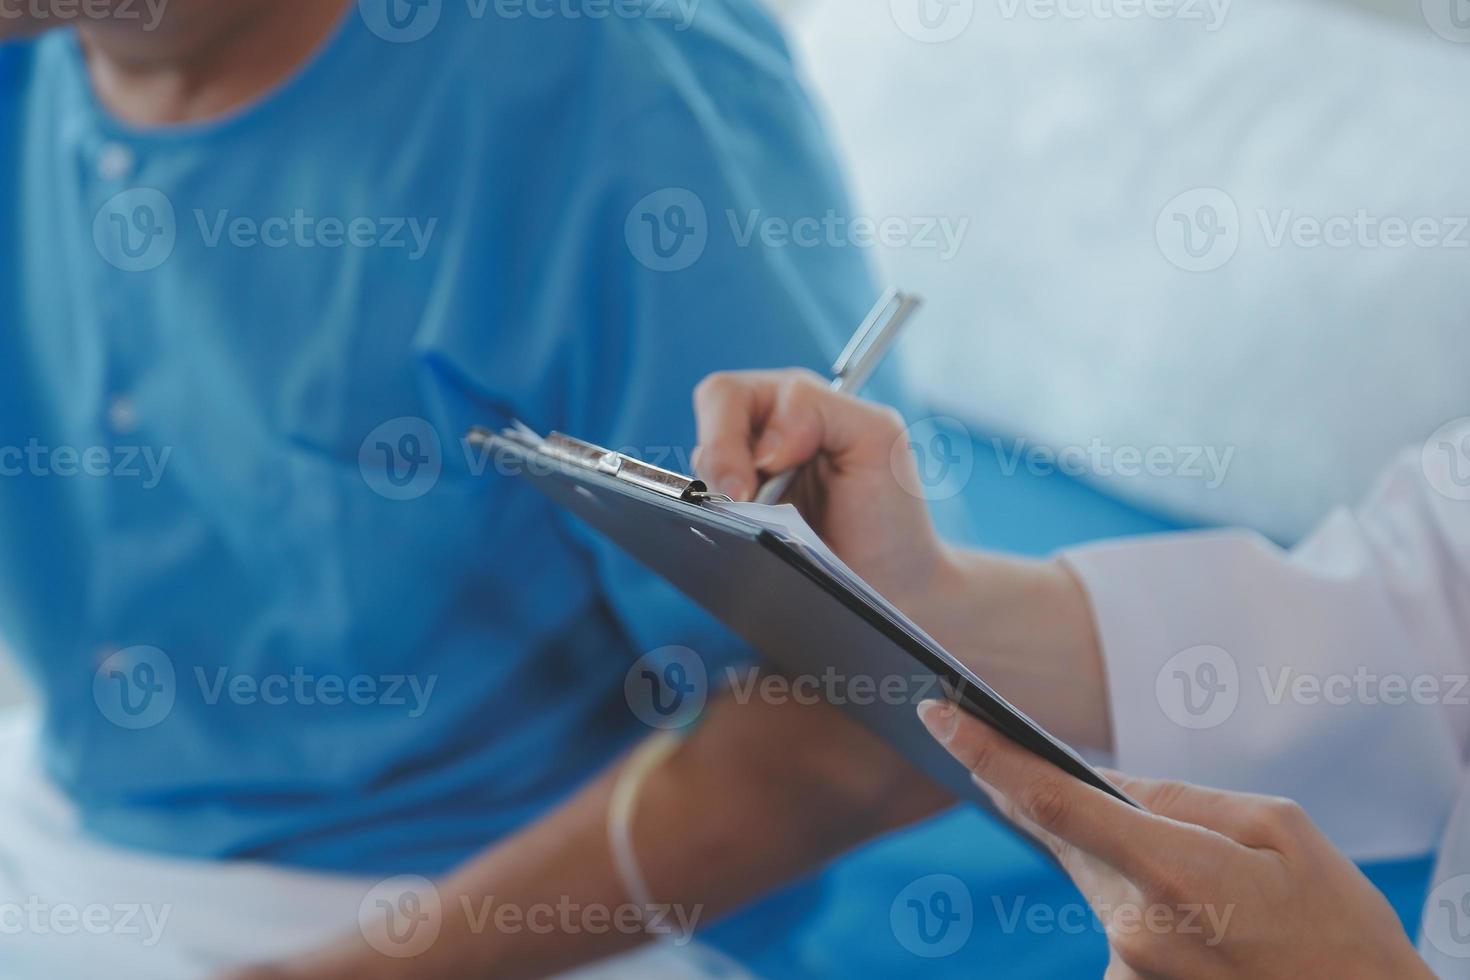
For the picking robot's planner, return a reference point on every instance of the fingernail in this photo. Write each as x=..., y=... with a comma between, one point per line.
x=941, y=718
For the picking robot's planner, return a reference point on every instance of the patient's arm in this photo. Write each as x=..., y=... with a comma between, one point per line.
x=759, y=794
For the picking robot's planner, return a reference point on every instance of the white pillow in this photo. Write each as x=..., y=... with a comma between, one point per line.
x=1067, y=315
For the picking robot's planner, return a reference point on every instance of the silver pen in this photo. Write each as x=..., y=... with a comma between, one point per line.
x=856, y=364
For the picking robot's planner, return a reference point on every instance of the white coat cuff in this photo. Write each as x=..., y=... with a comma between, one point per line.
x=1141, y=613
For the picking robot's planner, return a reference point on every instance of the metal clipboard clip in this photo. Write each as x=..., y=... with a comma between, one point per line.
x=585, y=455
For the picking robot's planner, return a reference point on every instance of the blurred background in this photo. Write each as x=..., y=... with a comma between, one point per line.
x=1192, y=198
x=1162, y=195
x=1025, y=129
x=1177, y=235
x=11, y=689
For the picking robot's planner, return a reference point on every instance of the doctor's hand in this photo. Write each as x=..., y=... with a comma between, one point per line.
x=756, y=424
x=1025, y=626
x=1208, y=884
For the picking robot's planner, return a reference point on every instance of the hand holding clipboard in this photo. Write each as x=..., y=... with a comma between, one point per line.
x=764, y=573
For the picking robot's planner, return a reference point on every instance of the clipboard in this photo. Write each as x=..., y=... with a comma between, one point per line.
x=783, y=593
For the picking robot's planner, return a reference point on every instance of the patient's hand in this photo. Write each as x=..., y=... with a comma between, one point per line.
x=856, y=458
x=1209, y=884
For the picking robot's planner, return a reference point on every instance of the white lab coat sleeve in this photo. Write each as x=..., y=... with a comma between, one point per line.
x=1334, y=673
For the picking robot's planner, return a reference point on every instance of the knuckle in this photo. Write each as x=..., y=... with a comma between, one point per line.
x=890, y=419
x=981, y=757
x=806, y=378
x=1164, y=796
x=884, y=425
x=1047, y=805
x=1278, y=818
x=800, y=388
x=1167, y=883
x=1139, y=948
x=714, y=385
